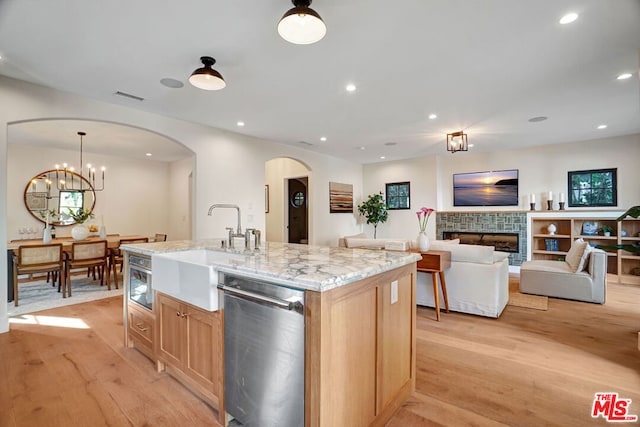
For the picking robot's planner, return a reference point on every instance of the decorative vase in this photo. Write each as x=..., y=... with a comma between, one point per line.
x=80, y=232
x=422, y=242
x=46, y=236
x=552, y=229
x=103, y=232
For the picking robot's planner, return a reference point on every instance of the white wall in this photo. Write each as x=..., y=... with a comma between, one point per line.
x=135, y=199
x=180, y=213
x=421, y=173
x=230, y=168
x=541, y=169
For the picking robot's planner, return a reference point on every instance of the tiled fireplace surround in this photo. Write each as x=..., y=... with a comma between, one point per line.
x=487, y=222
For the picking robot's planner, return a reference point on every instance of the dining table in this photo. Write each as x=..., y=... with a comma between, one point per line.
x=113, y=242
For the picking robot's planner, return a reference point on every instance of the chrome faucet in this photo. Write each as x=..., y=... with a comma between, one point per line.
x=228, y=206
x=238, y=233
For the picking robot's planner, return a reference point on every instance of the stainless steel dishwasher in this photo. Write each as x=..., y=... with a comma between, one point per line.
x=263, y=352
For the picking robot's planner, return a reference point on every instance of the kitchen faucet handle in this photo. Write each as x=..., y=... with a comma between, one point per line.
x=256, y=234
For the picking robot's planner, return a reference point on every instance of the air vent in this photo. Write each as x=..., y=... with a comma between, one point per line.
x=305, y=143
x=128, y=95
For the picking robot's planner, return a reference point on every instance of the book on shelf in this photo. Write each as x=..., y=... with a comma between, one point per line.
x=551, y=244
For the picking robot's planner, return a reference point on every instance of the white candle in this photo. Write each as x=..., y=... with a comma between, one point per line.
x=561, y=197
x=532, y=198
x=550, y=195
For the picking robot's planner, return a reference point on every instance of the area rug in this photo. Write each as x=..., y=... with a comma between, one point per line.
x=536, y=302
x=40, y=295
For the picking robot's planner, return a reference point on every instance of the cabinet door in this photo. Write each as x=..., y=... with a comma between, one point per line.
x=170, y=330
x=394, y=346
x=203, y=347
x=140, y=324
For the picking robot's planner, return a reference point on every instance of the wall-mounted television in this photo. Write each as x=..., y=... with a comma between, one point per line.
x=491, y=188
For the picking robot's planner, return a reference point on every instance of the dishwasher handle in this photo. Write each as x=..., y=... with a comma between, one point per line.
x=280, y=303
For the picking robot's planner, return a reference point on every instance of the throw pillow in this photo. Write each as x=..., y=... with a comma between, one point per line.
x=574, y=256
x=584, y=261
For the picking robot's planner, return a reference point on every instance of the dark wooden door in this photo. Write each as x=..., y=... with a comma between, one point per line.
x=298, y=209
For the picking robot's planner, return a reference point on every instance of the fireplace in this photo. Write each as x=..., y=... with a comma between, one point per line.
x=505, y=242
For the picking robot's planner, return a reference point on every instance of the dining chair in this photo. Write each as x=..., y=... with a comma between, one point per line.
x=85, y=255
x=160, y=237
x=38, y=259
x=116, y=257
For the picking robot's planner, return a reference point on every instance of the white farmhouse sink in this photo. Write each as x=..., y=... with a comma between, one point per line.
x=191, y=276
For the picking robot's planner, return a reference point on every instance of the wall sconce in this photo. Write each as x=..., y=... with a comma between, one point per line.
x=457, y=141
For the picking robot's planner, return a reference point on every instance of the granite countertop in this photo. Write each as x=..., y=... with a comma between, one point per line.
x=317, y=268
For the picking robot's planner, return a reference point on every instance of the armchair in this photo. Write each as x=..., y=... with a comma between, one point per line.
x=558, y=279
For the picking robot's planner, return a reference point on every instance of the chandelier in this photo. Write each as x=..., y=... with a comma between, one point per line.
x=71, y=180
x=457, y=141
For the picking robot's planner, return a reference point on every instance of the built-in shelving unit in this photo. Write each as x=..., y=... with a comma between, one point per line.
x=622, y=266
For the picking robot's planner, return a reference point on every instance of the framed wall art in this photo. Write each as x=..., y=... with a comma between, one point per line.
x=340, y=197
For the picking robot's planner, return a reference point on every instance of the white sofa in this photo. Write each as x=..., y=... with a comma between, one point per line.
x=362, y=241
x=477, y=282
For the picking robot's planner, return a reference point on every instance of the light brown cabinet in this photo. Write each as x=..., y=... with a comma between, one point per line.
x=360, y=355
x=188, y=344
x=140, y=329
x=622, y=266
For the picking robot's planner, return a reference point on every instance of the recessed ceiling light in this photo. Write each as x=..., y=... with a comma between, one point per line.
x=602, y=126
x=433, y=116
x=362, y=148
x=240, y=123
x=568, y=18
x=323, y=139
x=148, y=154
x=382, y=157
x=351, y=87
x=172, y=83
x=624, y=76
x=538, y=119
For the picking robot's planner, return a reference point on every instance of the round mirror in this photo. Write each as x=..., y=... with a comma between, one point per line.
x=55, y=193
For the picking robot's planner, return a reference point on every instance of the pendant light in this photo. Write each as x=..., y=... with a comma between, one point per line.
x=301, y=24
x=206, y=77
x=71, y=180
x=457, y=141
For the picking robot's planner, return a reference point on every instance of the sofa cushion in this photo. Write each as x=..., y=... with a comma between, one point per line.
x=584, y=260
x=499, y=256
x=353, y=242
x=574, y=256
x=467, y=253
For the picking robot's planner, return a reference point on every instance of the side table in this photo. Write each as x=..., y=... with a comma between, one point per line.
x=435, y=262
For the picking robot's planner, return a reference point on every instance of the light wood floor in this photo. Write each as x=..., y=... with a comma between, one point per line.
x=528, y=368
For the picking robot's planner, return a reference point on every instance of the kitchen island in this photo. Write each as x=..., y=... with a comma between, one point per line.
x=359, y=326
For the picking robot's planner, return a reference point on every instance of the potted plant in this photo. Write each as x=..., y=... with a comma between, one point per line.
x=375, y=210
x=80, y=215
x=606, y=230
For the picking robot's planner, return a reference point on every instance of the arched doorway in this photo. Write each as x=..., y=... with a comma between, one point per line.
x=147, y=181
x=288, y=217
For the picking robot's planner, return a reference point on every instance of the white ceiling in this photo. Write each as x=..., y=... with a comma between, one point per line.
x=484, y=67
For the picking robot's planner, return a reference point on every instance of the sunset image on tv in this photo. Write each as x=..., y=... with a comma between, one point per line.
x=494, y=188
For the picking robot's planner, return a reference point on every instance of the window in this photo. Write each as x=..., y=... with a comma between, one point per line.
x=70, y=200
x=398, y=195
x=596, y=187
